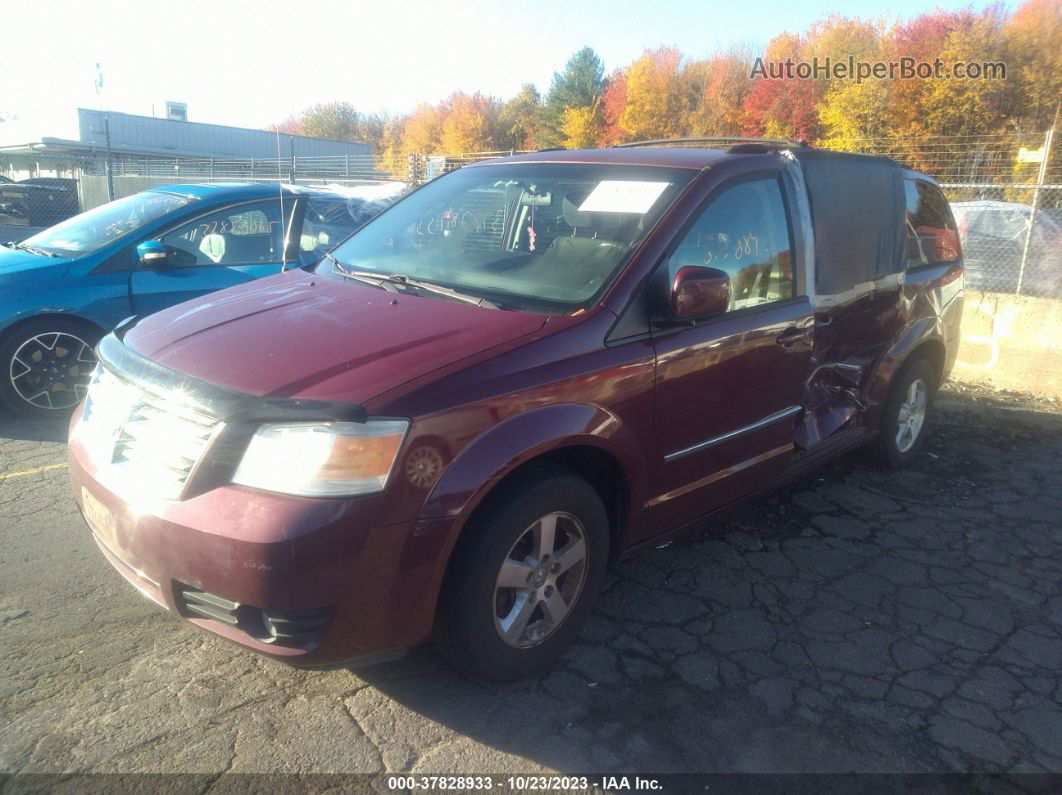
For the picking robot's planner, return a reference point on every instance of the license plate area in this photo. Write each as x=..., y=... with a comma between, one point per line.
x=100, y=520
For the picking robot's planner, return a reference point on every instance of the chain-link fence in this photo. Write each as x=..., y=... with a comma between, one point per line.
x=1005, y=190
x=34, y=202
x=51, y=195
x=1006, y=195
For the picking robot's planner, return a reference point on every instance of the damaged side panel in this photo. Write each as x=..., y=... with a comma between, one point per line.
x=854, y=328
x=850, y=341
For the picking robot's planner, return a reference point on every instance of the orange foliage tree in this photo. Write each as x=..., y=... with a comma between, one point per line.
x=658, y=99
x=721, y=85
x=1034, y=46
x=613, y=101
x=468, y=123
x=786, y=106
x=663, y=94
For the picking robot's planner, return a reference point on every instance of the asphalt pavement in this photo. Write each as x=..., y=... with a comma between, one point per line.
x=856, y=621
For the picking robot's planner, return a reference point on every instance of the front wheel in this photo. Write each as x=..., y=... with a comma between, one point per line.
x=524, y=576
x=906, y=414
x=45, y=366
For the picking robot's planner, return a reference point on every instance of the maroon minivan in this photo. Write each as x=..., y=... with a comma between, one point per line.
x=526, y=368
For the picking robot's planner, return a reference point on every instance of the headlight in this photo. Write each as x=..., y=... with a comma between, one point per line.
x=322, y=459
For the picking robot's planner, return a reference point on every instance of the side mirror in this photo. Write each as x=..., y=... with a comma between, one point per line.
x=152, y=253
x=699, y=292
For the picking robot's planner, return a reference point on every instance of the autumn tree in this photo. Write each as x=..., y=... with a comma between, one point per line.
x=657, y=97
x=852, y=110
x=338, y=121
x=968, y=107
x=422, y=130
x=921, y=39
x=518, y=120
x=581, y=127
x=389, y=154
x=720, y=86
x=786, y=107
x=292, y=125
x=663, y=94
x=580, y=85
x=1034, y=46
x=334, y=121
x=468, y=123
x=613, y=101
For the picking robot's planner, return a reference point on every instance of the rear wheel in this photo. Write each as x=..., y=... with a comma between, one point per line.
x=45, y=366
x=906, y=414
x=524, y=577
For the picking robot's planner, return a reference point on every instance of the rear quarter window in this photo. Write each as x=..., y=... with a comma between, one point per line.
x=932, y=238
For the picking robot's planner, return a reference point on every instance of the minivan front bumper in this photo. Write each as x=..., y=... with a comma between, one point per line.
x=304, y=581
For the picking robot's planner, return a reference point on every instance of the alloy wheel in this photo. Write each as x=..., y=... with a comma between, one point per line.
x=540, y=580
x=912, y=415
x=52, y=370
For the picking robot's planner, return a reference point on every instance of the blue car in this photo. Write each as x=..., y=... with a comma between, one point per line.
x=62, y=289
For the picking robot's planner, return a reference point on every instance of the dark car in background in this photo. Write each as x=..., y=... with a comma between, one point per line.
x=38, y=201
x=524, y=369
x=994, y=236
x=66, y=286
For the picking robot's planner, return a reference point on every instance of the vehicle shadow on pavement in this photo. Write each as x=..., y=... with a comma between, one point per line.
x=858, y=620
x=33, y=430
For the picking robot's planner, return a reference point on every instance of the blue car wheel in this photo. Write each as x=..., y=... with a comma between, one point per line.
x=46, y=365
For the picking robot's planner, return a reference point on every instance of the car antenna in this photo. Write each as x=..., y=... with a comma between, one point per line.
x=280, y=191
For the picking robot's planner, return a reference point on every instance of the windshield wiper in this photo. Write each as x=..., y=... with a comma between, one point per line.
x=438, y=289
x=393, y=280
x=365, y=277
x=35, y=250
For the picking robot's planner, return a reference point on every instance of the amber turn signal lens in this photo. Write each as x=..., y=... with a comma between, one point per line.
x=361, y=457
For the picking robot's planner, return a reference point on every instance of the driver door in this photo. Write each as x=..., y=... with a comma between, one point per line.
x=222, y=248
x=729, y=388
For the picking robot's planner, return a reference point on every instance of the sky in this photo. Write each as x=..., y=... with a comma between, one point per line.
x=251, y=64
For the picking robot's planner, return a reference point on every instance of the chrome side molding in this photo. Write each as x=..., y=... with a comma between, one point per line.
x=772, y=418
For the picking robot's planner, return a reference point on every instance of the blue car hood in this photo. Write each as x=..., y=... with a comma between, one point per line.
x=14, y=260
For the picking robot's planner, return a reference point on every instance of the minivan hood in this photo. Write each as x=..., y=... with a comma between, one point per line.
x=313, y=337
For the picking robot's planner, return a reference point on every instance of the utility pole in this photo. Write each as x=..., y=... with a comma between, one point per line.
x=1040, y=179
x=108, y=166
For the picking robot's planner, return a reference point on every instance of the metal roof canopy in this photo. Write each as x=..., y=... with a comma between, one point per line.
x=144, y=136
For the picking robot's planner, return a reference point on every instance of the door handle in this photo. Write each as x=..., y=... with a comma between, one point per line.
x=793, y=335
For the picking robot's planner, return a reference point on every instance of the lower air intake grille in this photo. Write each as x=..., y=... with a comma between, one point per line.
x=284, y=628
x=294, y=629
x=206, y=605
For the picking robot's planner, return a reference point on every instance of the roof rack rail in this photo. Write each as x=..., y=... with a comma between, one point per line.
x=716, y=142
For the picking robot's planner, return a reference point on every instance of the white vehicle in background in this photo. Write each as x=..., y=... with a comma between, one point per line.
x=993, y=236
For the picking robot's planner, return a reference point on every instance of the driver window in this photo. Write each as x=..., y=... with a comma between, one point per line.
x=245, y=234
x=743, y=232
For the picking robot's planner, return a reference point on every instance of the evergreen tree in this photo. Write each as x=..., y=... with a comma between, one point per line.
x=580, y=85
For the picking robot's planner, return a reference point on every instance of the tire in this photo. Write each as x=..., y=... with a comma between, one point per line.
x=493, y=632
x=902, y=433
x=45, y=365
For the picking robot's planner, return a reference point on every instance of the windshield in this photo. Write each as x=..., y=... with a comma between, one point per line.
x=537, y=236
x=95, y=228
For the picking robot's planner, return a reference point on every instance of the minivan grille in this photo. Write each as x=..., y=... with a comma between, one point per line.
x=149, y=441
